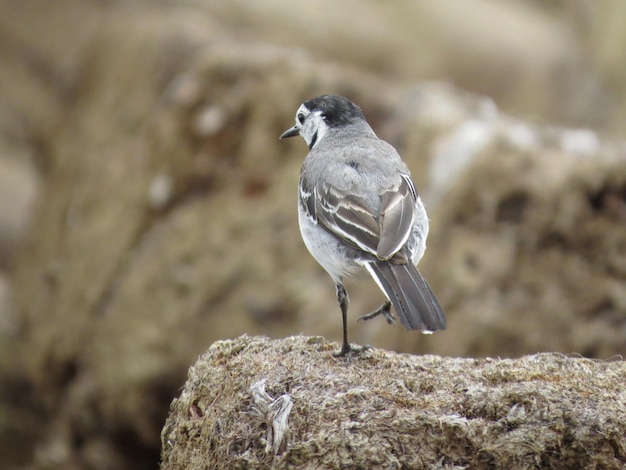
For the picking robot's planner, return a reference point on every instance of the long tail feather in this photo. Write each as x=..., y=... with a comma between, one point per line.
x=410, y=295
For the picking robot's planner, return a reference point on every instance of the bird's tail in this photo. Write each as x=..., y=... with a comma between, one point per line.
x=410, y=295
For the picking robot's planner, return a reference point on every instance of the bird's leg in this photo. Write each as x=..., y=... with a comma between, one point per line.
x=347, y=350
x=342, y=298
x=384, y=310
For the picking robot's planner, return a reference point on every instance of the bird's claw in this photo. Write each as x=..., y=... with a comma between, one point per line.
x=348, y=351
x=384, y=310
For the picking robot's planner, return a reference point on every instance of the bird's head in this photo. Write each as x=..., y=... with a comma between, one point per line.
x=317, y=116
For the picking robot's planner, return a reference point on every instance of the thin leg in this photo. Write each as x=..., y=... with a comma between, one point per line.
x=347, y=350
x=342, y=298
x=384, y=310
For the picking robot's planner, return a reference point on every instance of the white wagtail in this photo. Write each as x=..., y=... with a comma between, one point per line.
x=358, y=208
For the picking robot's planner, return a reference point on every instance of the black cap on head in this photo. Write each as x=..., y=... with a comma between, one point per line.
x=337, y=110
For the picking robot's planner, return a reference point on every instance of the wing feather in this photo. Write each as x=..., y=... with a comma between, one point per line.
x=397, y=218
x=349, y=218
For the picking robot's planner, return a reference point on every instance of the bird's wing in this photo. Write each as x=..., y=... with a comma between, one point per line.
x=397, y=215
x=350, y=219
x=347, y=217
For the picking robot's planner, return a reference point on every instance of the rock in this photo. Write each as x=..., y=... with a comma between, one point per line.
x=388, y=410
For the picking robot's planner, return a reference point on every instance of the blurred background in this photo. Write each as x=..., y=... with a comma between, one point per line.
x=147, y=207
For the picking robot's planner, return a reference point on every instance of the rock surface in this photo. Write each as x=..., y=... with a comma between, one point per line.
x=387, y=410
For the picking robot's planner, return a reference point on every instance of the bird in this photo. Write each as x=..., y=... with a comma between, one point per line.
x=359, y=210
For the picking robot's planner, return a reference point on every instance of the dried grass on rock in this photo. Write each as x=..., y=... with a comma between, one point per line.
x=387, y=410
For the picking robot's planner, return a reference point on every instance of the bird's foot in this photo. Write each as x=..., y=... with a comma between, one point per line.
x=348, y=351
x=384, y=310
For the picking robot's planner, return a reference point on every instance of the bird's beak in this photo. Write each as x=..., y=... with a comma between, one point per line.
x=291, y=132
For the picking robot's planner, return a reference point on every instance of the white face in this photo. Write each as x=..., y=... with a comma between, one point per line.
x=312, y=126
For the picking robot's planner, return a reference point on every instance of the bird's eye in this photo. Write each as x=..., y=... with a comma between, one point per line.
x=301, y=118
